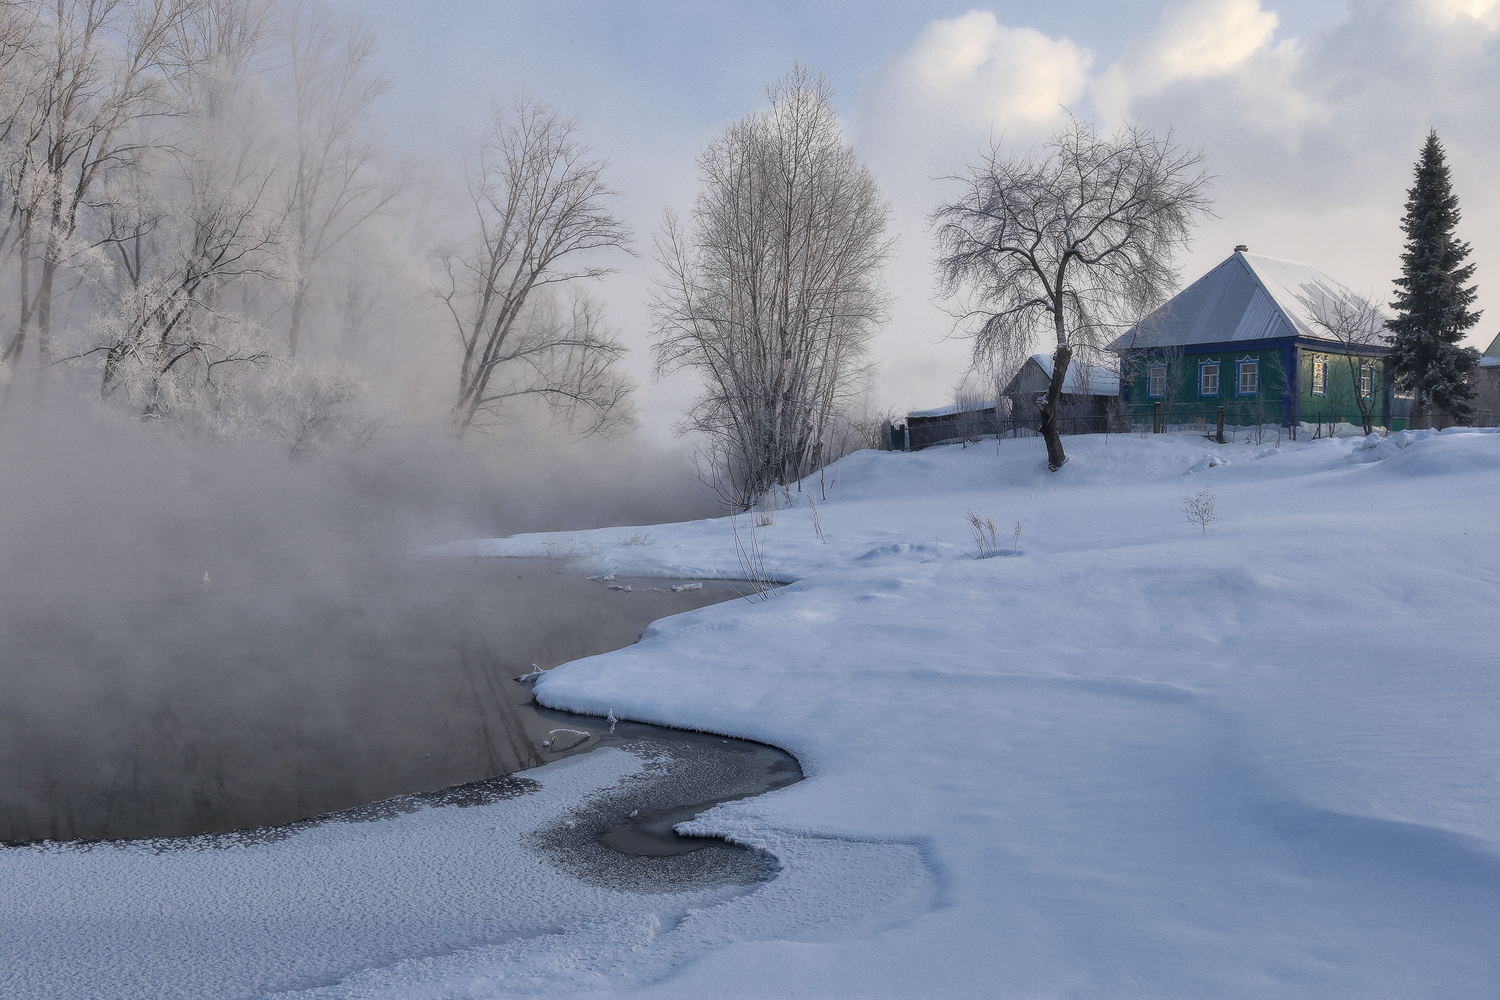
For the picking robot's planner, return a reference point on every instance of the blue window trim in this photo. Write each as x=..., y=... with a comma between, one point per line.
x=1237, y=379
x=1312, y=377
x=1150, y=369
x=1219, y=385
x=1362, y=369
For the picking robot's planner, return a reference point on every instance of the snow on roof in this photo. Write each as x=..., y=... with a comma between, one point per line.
x=951, y=408
x=1247, y=297
x=1083, y=379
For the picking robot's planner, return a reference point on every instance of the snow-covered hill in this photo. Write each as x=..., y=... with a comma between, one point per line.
x=1138, y=759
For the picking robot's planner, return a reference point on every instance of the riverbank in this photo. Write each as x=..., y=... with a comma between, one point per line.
x=1141, y=757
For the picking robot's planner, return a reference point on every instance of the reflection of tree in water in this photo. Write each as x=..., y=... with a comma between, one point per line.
x=220, y=709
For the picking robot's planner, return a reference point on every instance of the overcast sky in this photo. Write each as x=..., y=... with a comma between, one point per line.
x=1311, y=115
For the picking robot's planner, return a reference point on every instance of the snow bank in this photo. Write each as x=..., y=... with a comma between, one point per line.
x=1145, y=760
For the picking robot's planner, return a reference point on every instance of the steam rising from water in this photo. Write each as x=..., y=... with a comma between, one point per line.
x=216, y=638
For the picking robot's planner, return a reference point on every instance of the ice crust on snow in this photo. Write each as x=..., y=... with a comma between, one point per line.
x=1142, y=761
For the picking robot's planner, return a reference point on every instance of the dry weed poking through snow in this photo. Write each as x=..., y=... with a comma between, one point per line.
x=985, y=534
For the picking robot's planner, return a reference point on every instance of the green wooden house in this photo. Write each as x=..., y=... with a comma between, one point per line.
x=1260, y=338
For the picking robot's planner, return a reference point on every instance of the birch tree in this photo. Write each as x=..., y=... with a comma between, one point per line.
x=1074, y=242
x=772, y=292
x=539, y=226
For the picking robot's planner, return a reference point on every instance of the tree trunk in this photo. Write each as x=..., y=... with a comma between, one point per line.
x=44, y=326
x=1050, y=432
x=296, y=325
x=12, y=353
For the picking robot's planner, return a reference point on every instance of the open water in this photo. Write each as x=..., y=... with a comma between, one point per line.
x=202, y=707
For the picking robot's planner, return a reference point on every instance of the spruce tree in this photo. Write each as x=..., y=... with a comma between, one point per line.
x=1433, y=296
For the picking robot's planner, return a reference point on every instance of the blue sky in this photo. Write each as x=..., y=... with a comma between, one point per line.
x=1310, y=114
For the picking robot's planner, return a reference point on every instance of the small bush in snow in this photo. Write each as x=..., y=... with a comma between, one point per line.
x=1200, y=508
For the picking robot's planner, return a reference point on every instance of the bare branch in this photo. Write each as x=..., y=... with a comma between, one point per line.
x=1356, y=323
x=539, y=220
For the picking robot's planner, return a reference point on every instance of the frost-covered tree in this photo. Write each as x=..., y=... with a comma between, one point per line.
x=1433, y=295
x=90, y=86
x=1075, y=242
x=774, y=293
x=142, y=148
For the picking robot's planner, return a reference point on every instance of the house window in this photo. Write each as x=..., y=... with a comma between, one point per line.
x=1208, y=378
x=1366, y=381
x=1249, y=377
x=1158, y=377
x=1320, y=378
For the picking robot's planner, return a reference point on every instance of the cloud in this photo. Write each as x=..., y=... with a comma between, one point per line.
x=967, y=77
x=1195, y=41
x=972, y=67
x=1466, y=12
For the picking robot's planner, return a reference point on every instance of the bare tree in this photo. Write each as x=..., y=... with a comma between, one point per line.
x=539, y=218
x=1079, y=240
x=181, y=221
x=217, y=51
x=332, y=186
x=969, y=402
x=774, y=295
x=144, y=206
x=1356, y=323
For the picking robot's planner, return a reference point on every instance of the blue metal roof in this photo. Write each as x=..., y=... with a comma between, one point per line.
x=1247, y=297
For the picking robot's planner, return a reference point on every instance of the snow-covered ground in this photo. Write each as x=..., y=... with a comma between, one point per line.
x=1127, y=757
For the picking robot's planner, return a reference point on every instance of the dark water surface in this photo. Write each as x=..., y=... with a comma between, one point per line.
x=209, y=707
x=622, y=837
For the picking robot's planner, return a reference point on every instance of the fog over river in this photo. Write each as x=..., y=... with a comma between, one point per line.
x=199, y=641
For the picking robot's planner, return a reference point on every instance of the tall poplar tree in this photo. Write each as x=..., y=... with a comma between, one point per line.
x=1433, y=296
